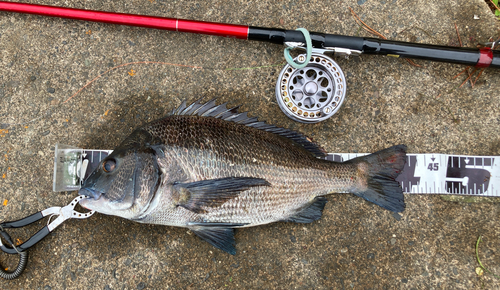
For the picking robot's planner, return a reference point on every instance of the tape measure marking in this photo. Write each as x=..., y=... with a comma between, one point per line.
x=422, y=174
x=445, y=174
x=93, y=157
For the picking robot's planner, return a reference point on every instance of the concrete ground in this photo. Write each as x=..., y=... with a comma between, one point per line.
x=356, y=245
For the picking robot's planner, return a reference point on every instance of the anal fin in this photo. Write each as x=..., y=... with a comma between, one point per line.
x=309, y=213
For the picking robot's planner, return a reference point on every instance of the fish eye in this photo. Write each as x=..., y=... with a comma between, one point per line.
x=109, y=165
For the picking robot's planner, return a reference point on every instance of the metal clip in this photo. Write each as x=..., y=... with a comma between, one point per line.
x=295, y=45
x=63, y=214
x=344, y=51
x=336, y=51
x=491, y=44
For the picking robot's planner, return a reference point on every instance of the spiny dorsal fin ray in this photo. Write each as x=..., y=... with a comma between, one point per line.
x=210, y=109
x=205, y=107
x=179, y=109
x=191, y=108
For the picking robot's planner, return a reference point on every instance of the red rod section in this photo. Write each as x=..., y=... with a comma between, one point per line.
x=173, y=24
x=485, y=57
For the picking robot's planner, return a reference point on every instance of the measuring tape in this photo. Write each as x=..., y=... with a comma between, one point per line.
x=422, y=174
x=445, y=174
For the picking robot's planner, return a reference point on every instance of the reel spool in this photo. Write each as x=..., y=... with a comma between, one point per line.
x=311, y=94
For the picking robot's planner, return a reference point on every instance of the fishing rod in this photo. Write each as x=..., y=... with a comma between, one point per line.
x=312, y=87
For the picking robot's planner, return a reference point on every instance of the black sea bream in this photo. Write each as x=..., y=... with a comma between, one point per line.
x=210, y=169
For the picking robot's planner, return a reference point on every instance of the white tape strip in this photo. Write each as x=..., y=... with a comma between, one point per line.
x=445, y=174
x=423, y=173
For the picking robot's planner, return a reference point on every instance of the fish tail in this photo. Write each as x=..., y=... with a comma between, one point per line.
x=377, y=175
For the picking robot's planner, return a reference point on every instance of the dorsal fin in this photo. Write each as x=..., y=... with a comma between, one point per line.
x=210, y=109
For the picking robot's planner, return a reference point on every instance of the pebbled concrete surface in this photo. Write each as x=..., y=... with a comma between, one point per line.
x=356, y=245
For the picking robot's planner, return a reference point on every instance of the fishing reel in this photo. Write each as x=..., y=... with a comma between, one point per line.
x=313, y=93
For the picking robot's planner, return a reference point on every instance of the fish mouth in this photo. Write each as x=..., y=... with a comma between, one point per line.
x=91, y=196
x=90, y=193
x=83, y=201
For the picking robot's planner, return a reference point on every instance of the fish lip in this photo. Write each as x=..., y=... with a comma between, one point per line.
x=90, y=193
x=84, y=199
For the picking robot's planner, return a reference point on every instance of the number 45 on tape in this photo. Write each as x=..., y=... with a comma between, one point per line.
x=445, y=174
x=423, y=173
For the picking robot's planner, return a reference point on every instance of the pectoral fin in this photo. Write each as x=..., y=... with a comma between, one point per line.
x=219, y=235
x=194, y=196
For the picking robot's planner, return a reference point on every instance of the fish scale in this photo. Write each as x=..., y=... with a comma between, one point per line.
x=312, y=182
x=212, y=169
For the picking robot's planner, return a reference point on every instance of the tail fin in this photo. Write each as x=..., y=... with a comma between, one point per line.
x=381, y=169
